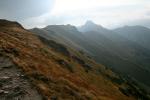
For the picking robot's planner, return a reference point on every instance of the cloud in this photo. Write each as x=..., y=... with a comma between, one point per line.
x=62, y=6
x=109, y=13
x=23, y=9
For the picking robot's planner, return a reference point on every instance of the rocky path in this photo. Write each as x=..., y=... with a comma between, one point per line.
x=13, y=84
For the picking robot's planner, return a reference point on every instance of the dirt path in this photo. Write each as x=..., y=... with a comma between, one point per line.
x=13, y=84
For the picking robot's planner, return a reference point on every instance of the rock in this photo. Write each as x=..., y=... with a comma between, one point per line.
x=9, y=66
x=7, y=87
x=1, y=91
x=54, y=98
x=6, y=92
x=5, y=77
x=13, y=83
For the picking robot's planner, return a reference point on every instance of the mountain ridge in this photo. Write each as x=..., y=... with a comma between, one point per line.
x=59, y=71
x=60, y=75
x=6, y=23
x=110, y=49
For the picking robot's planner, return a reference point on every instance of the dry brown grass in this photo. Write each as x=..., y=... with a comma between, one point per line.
x=51, y=79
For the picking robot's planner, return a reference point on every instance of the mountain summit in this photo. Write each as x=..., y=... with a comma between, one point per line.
x=90, y=26
x=90, y=23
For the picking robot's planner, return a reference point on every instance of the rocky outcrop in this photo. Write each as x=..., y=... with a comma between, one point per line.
x=13, y=84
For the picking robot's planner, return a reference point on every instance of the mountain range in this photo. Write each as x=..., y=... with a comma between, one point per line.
x=125, y=50
x=64, y=62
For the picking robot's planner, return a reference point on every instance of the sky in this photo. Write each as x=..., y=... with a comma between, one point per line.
x=108, y=13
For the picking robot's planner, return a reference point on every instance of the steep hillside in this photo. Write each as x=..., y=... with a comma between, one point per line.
x=120, y=52
x=56, y=71
x=107, y=47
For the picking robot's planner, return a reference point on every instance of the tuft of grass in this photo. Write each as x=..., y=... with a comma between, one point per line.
x=64, y=64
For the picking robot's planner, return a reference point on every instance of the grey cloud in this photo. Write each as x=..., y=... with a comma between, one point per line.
x=21, y=9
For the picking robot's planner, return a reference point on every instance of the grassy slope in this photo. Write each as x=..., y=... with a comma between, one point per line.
x=53, y=80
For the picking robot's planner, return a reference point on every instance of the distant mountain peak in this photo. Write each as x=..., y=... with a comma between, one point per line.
x=133, y=28
x=89, y=22
x=90, y=26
